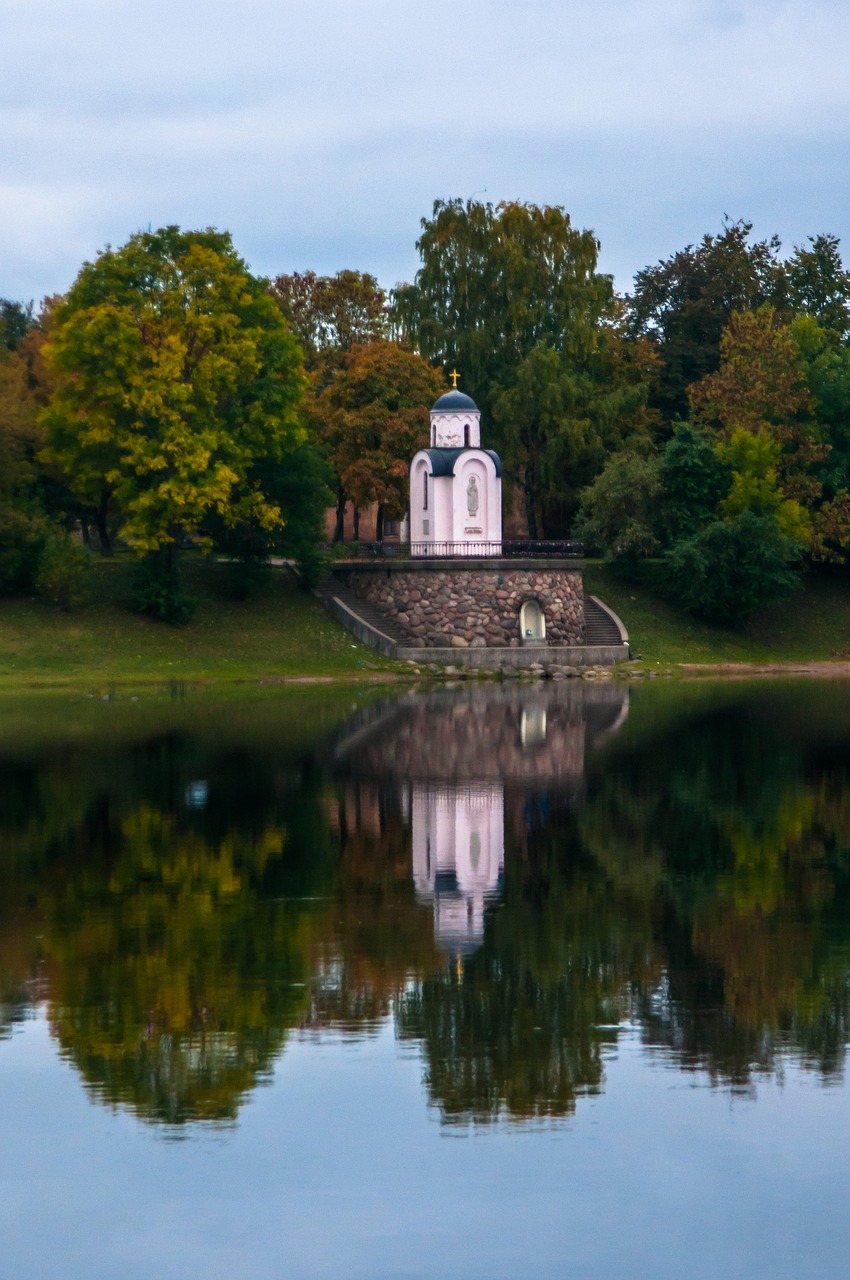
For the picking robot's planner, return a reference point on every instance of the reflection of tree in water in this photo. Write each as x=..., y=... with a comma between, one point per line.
x=172, y=980
x=375, y=937
x=169, y=899
x=174, y=958
x=738, y=832
x=521, y=1029
x=701, y=883
x=381, y=955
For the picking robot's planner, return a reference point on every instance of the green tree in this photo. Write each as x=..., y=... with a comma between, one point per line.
x=825, y=362
x=23, y=527
x=299, y=484
x=619, y=511
x=455, y=311
x=560, y=420
x=818, y=285
x=731, y=568
x=693, y=481
x=175, y=372
x=684, y=303
x=513, y=297
x=376, y=416
x=760, y=389
x=329, y=315
x=752, y=459
x=15, y=320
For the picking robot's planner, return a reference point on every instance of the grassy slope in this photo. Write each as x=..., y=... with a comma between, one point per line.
x=279, y=632
x=812, y=625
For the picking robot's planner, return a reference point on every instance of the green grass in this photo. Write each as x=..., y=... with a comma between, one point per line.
x=812, y=625
x=280, y=632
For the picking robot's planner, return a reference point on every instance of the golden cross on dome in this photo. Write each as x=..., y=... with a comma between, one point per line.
x=454, y=375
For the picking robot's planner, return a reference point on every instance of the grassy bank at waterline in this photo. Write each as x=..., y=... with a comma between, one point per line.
x=279, y=632
x=282, y=633
x=810, y=626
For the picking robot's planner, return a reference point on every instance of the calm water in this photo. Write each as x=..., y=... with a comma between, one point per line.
x=465, y=983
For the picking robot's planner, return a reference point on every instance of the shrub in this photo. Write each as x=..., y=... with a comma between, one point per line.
x=243, y=578
x=731, y=568
x=694, y=480
x=22, y=539
x=619, y=511
x=63, y=569
x=157, y=590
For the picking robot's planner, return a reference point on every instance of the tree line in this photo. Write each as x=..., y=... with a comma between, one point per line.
x=695, y=429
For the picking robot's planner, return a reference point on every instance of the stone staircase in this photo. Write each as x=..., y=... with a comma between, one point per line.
x=599, y=626
x=334, y=588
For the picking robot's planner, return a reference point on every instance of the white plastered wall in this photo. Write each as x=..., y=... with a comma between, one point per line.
x=443, y=512
x=420, y=517
x=448, y=430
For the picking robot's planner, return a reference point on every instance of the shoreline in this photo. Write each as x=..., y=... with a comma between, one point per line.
x=106, y=685
x=817, y=669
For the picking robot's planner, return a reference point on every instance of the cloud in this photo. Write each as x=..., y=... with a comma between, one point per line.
x=327, y=129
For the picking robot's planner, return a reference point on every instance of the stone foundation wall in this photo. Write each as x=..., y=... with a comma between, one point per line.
x=476, y=608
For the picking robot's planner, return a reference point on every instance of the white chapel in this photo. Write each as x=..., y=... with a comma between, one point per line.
x=455, y=485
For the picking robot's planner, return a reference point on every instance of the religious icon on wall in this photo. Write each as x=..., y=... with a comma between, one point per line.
x=472, y=496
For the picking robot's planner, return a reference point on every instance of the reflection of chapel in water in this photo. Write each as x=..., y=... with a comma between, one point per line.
x=460, y=762
x=458, y=857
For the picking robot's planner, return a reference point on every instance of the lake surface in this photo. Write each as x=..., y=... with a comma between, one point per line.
x=539, y=981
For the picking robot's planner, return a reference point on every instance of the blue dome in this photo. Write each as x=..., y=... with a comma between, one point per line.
x=454, y=400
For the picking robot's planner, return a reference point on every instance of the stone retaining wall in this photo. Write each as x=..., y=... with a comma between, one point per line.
x=475, y=608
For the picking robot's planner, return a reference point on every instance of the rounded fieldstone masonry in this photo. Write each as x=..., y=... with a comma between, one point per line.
x=475, y=608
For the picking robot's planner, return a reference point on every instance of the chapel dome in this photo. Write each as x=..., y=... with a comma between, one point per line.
x=454, y=400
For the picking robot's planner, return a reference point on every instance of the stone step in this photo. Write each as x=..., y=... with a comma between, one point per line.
x=599, y=626
x=334, y=587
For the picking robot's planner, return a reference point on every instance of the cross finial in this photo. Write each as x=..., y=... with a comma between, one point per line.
x=454, y=375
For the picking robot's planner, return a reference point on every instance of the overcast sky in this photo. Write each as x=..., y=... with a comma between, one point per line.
x=319, y=132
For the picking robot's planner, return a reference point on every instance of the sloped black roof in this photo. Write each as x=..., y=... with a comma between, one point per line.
x=443, y=460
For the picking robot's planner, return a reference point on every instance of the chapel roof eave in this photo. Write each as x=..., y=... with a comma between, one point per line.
x=491, y=453
x=443, y=460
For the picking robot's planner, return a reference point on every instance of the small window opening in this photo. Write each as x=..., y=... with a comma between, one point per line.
x=466, y=436
x=425, y=492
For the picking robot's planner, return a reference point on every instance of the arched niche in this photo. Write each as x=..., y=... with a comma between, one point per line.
x=532, y=623
x=472, y=498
